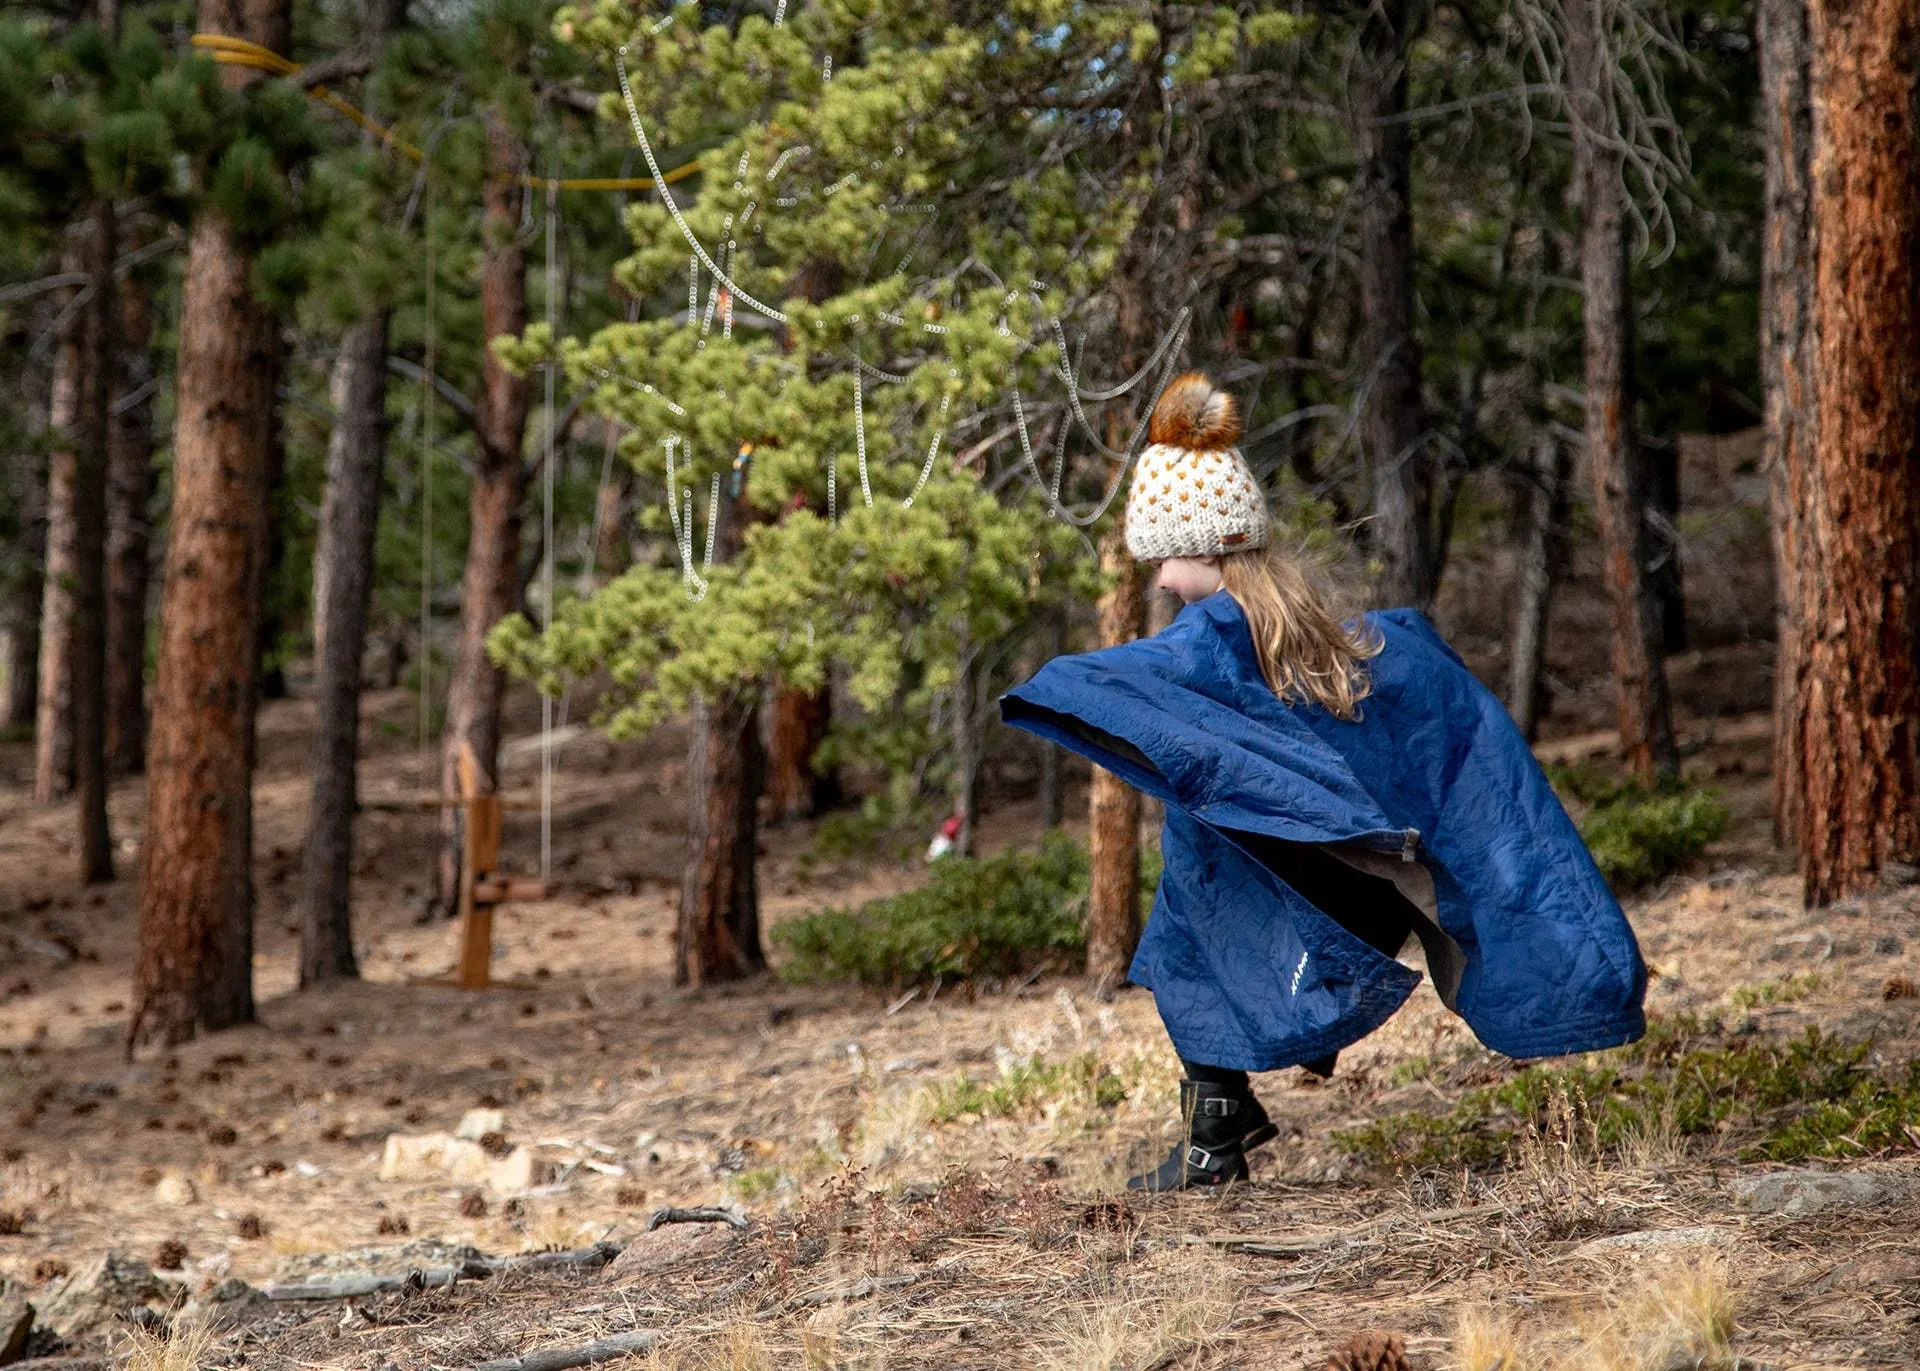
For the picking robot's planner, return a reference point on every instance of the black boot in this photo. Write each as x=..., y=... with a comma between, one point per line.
x=1223, y=1122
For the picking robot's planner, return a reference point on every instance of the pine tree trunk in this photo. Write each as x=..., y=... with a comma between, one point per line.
x=1053, y=775
x=25, y=595
x=1542, y=561
x=100, y=372
x=53, y=709
x=271, y=673
x=795, y=789
x=972, y=698
x=195, y=961
x=349, y=518
x=1860, y=600
x=1113, y=840
x=1663, y=539
x=1786, y=357
x=490, y=585
x=1618, y=468
x=718, y=935
x=1393, y=420
x=130, y=486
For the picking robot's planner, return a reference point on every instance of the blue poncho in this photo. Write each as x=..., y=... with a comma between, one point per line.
x=1433, y=788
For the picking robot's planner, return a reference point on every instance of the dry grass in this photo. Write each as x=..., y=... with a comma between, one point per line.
x=1672, y=1317
x=1151, y=1311
x=1488, y=1339
x=188, y=1347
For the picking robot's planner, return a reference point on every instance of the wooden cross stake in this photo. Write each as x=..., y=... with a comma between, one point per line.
x=482, y=884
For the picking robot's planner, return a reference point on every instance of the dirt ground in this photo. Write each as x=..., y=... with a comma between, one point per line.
x=884, y=1230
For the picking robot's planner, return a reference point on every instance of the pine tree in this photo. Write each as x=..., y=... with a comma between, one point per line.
x=241, y=133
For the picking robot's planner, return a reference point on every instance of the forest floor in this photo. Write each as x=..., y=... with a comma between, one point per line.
x=896, y=1218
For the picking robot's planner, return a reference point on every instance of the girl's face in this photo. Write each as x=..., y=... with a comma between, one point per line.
x=1191, y=578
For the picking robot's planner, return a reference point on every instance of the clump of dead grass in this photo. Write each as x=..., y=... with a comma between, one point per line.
x=1175, y=1307
x=1667, y=1316
x=1488, y=1339
x=1672, y=1318
x=187, y=1346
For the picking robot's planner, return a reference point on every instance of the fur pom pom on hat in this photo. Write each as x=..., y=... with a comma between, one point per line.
x=1193, y=494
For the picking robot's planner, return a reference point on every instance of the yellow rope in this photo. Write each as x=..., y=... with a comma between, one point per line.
x=238, y=52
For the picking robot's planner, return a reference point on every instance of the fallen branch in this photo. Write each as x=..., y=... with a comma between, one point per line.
x=732, y=1218
x=585, y=1354
x=1287, y=1245
x=434, y=1277
x=859, y=1290
x=365, y=1283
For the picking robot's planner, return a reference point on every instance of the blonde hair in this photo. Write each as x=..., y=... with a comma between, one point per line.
x=1305, y=652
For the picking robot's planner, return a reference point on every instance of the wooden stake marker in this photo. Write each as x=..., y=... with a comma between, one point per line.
x=482, y=884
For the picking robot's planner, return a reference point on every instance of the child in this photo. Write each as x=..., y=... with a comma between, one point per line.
x=1330, y=789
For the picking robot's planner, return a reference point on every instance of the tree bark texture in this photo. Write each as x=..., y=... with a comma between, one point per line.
x=1663, y=540
x=1053, y=774
x=1860, y=596
x=349, y=518
x=53, y=708
x=1543, y=555
x=490, y=585
x=1393, y=419
x=194, y=967
x=25, y=594
x=130, y=487
x=1113, y=839
x=100, y=372
x=718, y=934
x=1616, y=464
x=795, y=789
x=1786, y=362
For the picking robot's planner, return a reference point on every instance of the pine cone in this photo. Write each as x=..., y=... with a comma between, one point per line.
x=1901, y=988
x=1375, y=1351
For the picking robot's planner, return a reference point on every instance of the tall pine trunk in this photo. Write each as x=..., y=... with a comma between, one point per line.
x=194, y=968
x=130, y=485
x=718, y=934
x=1543, y=555
x=53, y=708
x=1113, y=838
x=1393, y=420
x=1786, y=362
x=1860, y=595
x=1618, y=468
x=349, y=518
x=490, y=585
x=101, y=371
x=24, y=595
x=1053, y=774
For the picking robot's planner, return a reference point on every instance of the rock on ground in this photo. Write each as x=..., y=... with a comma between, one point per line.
x=1793, y=1193
x=101, y=1291
x=670, y=1245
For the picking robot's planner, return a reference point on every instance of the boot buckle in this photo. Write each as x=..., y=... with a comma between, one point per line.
x=1200, y=1159
x=1219, y=1107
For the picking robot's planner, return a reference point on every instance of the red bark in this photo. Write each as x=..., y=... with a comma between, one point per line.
x=1859, y=573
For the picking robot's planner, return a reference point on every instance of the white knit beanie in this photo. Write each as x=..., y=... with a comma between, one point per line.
x=1193, y=494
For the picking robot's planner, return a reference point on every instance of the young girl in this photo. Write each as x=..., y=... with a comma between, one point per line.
x=1330, y=790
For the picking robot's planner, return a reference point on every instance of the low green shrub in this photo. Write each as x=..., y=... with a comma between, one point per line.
x=1811, y=1096
x=1638, y=838
x=1025, y=1087
x=974, y=918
